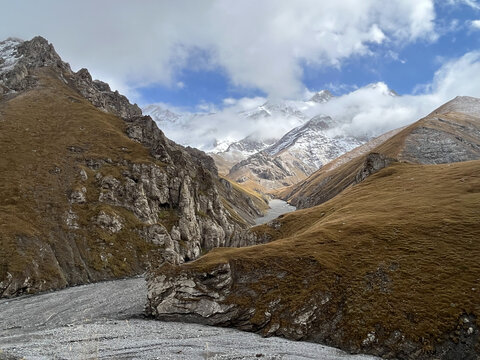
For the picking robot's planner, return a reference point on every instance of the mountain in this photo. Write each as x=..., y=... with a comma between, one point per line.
x=92, y=190
x=238, y=151
x=162, y=116
x=322, y=96
x=388, y=266
x=449, y=134
x=296, y=155
x=277, y=108
x=212, y=131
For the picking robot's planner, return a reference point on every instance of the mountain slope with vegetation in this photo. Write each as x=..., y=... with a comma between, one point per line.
x=90, y=189
x=388, y=267
x=449, y=134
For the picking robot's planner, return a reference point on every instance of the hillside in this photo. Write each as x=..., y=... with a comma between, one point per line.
x=387, y=267
x=90, y=189
x=449, y=134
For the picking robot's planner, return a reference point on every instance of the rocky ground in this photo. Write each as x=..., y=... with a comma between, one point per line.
x=105, y=321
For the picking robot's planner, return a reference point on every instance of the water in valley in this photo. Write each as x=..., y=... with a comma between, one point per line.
x=277, y=208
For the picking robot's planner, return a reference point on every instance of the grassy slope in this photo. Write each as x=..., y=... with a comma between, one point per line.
x=333, y=178
x=38, y=171
x=400, y=249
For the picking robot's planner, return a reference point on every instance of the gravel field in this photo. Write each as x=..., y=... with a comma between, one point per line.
x=105, y=321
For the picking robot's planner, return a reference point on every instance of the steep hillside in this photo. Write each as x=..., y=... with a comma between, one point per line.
x=295, y=156
x=92, y=190
x=388, y=267
x=449, y=134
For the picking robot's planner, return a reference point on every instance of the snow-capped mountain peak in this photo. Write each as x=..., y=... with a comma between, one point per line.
x=382, y=88
x=306, y=133
x=280, y=108
x=8, y=54
x=161, y=115
x=321, y=96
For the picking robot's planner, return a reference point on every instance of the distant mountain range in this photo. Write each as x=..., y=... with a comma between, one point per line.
x=262, y=160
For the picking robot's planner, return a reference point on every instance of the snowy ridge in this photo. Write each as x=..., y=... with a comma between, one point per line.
x=298, y=154
x=210, y=132
x=382, y=87
x=322, y=96
x=314, y=143
x=279, y=108
x=462, y=104
x=249, y=146
x=317, y=123
x=8, y=54
x=161, y=115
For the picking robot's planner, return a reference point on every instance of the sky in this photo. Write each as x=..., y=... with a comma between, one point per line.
x=219, y=55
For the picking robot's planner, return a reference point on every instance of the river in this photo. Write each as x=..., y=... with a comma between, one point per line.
x=277, y=208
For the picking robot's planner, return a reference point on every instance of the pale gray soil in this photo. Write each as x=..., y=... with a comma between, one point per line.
x=105, y=321
x=277, y=208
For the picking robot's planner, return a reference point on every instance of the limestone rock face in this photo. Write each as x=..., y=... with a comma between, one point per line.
x=112, y=223
x=198, y=298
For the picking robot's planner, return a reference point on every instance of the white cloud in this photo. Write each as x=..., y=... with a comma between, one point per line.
x=475, y=25
x=258, y=44
x=370, y=110
x=373, y=111
x=472, y=3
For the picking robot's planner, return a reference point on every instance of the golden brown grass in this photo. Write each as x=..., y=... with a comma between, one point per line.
x=333, y=178
x=418, y=225
x=45, y=135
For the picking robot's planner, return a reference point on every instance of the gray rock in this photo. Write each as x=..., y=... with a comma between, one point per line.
x=374, y=162
x=78, y=196
x=100, y=95
x=110, y=222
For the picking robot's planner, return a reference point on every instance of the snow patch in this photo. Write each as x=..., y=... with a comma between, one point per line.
x=8, y=54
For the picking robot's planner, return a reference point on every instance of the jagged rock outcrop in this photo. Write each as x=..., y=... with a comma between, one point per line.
x=100, y=95
x=98, y=192
x=38, y=53
x=23, y=56
x=373, y=163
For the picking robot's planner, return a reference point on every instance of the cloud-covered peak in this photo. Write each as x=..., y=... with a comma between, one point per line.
x=321, y=96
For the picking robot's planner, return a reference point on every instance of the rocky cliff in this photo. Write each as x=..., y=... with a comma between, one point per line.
x=91, y=189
